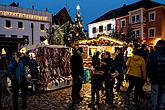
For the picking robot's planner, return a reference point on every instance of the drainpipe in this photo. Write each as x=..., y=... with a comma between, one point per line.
x=32, y=27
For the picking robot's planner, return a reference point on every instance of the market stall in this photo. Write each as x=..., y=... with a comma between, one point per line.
x=54, y=66
x=101, y=44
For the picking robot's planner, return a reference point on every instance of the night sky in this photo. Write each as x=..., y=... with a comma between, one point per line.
x=90, y=9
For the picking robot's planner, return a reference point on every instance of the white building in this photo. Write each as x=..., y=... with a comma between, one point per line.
x=18, y=23
x=102, y=27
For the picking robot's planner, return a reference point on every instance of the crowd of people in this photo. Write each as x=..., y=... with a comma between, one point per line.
x=145, y=65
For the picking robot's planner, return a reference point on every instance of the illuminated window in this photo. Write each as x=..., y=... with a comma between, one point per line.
x=100, y=28
x=20, y=25
x=42, y=27
x=94, y=30
x=8, y=23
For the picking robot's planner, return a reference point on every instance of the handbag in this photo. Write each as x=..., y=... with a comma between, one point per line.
x=96, y=72
x=147, y=87
x=115, y=74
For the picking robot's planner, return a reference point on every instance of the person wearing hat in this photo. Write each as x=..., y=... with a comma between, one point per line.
x=77, y=73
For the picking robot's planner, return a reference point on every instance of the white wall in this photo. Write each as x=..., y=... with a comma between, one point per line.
x=27, y=16
x=14, y=30
x=104, y=23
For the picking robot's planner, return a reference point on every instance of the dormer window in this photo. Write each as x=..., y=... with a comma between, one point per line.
x=152, y=16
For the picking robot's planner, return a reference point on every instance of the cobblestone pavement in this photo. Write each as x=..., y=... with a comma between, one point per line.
x=61, y=100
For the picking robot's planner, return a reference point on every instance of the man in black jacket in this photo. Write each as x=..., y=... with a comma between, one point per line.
x=156, y=73
x=77, y=73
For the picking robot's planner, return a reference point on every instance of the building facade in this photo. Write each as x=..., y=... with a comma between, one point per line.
x=103, y=27
x=20, y=26
x=145, y=17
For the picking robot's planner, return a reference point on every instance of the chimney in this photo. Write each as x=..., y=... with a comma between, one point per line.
x=46, y=9
x=33, y=7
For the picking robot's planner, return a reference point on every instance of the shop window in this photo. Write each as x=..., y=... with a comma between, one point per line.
x=20, y=25
x=100, y=28
x=94, y=30
x=8, y=23
x=151, y=32
x=13, y=36
x=109, y=27
x=42, y=27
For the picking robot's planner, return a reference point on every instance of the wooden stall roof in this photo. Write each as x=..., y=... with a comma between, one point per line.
x=102, y=39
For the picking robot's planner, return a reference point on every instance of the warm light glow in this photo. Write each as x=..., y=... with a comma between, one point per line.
x=42, y=30
x=129, y=50
x=3, y=51
x=46, y=42
x=102, y=37
x=22, y=15
x=23, y=50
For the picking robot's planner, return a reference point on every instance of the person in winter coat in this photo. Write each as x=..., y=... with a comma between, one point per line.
x=143, y=51
x=156, y=74
x=109, y=68
x=119, y=63
x=136, y=74
x=3, y=79
x=97, y=79
x=16, y=68
x=77, y=74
